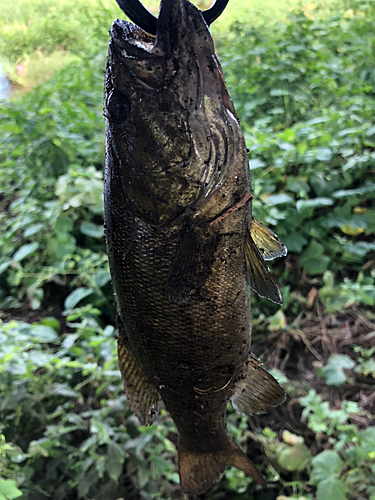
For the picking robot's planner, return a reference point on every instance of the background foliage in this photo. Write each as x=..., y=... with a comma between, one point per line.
x=304, y=90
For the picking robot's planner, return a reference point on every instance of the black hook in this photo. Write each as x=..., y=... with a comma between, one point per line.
x=138, y=13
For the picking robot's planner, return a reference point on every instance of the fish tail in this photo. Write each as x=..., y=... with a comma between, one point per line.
x=199, y=471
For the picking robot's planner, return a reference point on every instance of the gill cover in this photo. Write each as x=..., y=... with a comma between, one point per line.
x=170, y=124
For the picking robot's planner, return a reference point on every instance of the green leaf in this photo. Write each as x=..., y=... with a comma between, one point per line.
x=313, y=259
x=25, y=251
x=9, y=490
x=279, y=199
x=326, y=464
x=86, y=480
x=52, y=322
x=256, y=163
x=33, y=229
x=4, y=266
x=76, y=296
x=63, y=225
x=44, y=333
x=93, y=230
x=102, y=278
x=294, y=242
x=144, y=475
x=331, y=489
x=62, y=390
x=333, y=372
x=116, y=457
x=294, y=458
x=313, y=203
x=324, y=154
x=37, y=449
x=278, y=92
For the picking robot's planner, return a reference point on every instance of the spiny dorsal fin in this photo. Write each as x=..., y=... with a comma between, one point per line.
x=142, y=396
x=258, y=391
x=267, y=242
x=258, y=275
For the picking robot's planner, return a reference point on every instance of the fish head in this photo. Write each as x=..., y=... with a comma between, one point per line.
x=170, y=123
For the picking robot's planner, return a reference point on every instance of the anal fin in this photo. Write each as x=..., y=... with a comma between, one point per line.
x=142, y=396
x=258, y=391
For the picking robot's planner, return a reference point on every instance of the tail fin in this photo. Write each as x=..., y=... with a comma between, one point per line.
x=199, y=471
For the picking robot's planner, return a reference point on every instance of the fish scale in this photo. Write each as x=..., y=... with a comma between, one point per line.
x=182, y=240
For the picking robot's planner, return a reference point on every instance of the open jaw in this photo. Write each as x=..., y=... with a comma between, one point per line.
x=168, y=111
x=137, y=13
x=182, y=42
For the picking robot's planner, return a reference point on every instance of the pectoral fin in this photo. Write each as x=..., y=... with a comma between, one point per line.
x=190, y=266
x=142, y=396
x=258, y=275
x=267, y=242
x=258, y=391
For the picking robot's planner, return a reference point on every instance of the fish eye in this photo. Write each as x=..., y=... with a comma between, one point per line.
x=118, y=106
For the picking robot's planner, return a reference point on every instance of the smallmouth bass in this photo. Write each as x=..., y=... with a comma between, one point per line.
x=182, y=243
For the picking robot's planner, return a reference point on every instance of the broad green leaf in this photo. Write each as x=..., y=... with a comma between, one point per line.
x=286, y=146
x=115, y=459
x=63, y=225
x=325, y=465
x=276, y=111
x=36, y=449
x=331, y=489
x=333, y=372
x=9, y=490
x=277, y=321
x=279, y=199
x=144, y=475
x=294, y=458
x=324, y=154
x=25, y=251
x=256, y=163
x=102, y=278
x=93, y=230
x=360, y=248
x=294, y=242
x=44, y=333
x=313, y=203
x=313, y=259
x=69, y=340
x=35, y=228
x=76, y=296
x=3, y=266
x=295, y=48
x=278, y=92
x=62, y=390
x=52, y=322
x=86, y=480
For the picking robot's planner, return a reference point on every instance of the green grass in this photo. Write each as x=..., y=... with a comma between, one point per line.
x=40, y=37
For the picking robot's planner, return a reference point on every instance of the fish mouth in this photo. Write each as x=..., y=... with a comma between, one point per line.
x=169, y=116
x=181, y=49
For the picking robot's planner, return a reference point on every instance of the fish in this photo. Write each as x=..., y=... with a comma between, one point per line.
x=182, y=241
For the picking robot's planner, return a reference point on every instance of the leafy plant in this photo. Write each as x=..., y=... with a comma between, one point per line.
x=303, y=89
